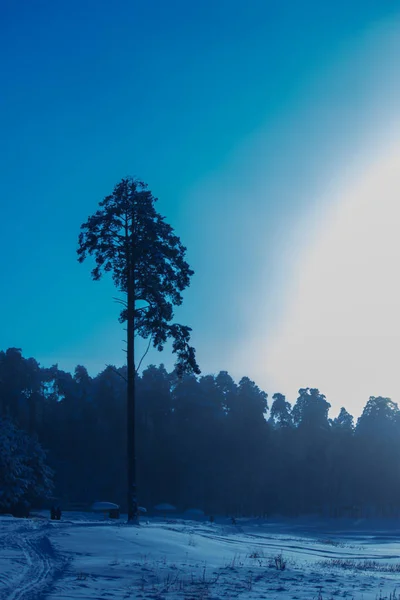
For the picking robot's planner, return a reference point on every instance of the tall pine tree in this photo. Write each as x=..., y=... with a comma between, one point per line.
x=131, y=240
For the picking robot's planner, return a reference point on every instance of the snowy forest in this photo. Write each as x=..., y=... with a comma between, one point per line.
x=202, y=441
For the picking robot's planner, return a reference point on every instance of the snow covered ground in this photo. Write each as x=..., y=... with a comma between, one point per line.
x=80, y=557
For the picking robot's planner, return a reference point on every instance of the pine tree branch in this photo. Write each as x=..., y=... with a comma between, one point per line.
x=141, y=360
x=120, y=301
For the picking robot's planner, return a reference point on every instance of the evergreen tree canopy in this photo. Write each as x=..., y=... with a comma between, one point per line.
x=280, y=412
x=203, y=442
x=129, y=238
x=311, y=409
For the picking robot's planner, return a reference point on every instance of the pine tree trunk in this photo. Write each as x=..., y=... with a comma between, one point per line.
x=133, y=514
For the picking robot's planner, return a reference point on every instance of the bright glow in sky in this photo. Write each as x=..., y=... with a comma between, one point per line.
x=341, y=332
x=338, y=326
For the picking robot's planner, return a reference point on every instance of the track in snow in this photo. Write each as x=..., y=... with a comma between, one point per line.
x=40, y=564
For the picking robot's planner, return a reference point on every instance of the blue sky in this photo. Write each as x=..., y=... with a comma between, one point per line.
x=234, y=113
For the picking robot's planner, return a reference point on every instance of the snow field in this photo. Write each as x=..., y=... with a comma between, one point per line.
x=82, y=558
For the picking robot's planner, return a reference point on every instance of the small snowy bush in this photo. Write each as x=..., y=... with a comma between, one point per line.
x=24, y=474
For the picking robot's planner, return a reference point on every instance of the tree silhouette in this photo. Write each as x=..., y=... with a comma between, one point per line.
x=280, y=412
x=208, y=440
x=132, y=241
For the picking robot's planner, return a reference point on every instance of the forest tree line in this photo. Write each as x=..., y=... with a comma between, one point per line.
x=203, y=442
